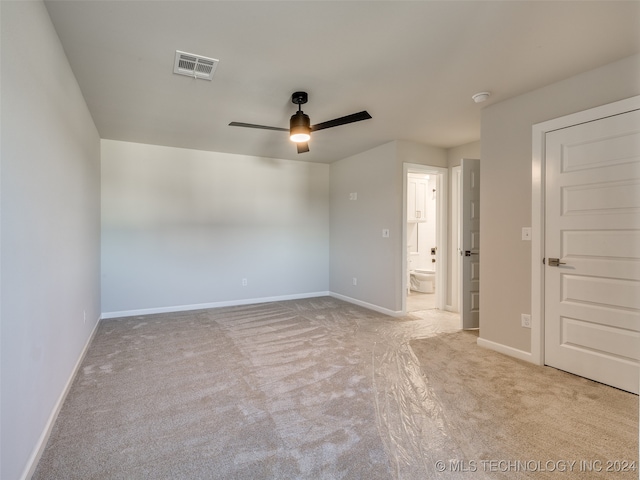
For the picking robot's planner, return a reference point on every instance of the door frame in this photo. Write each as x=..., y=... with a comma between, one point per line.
x=538, y=191
x=441, y=230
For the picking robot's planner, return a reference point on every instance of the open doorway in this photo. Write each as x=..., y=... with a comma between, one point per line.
x=424, y=238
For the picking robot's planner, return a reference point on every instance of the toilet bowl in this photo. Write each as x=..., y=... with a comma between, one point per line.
x=422, y=280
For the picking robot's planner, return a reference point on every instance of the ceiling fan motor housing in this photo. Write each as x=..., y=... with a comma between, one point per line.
x=300, y=120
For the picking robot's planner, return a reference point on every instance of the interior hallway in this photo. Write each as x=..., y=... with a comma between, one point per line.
x=417, y=301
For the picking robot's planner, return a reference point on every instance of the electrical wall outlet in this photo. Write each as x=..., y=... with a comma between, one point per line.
x=525, y=319
x=353, y=196
x=355, y=281
x=244, y=282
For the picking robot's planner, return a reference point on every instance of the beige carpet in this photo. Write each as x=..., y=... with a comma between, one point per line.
x=319, y=389
x=417, y=301
x=274, y=390
x=539, y=419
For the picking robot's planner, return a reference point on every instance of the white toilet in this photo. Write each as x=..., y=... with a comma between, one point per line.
x=423, y=281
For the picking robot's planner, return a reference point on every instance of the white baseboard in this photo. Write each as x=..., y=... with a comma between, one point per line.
x=32, y=463
x=370, y=306
x=202, y=306
x=505, y=349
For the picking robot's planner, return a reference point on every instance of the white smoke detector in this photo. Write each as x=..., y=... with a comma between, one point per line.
x=481, y=97
x=195, y=66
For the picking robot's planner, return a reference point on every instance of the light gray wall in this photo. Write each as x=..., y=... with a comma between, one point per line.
x=468, y=150
x=412, y=152
x=505, y=199
x=357, y=246
x=50, y=229
x=183, y=227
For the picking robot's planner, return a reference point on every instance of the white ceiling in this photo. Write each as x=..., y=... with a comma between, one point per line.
x=412, y=65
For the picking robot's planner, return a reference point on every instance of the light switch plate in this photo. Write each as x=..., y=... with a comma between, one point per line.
x=385, y=233
x=526, y=233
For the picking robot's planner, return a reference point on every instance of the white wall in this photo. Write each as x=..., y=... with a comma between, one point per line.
x=412, y=152
x=505, y=199
x=428, y=230
x=456, y=154
x=183, y=227
x=50, y=229
x=357, y=247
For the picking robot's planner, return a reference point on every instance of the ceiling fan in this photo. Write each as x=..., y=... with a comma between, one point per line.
x=300, y=127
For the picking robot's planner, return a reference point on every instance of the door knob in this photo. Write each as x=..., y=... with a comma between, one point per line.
x=555, y=262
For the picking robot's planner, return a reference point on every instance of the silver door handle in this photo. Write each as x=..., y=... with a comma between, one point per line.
x=555, y=262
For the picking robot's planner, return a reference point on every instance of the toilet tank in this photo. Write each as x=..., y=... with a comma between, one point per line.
x=425, y=271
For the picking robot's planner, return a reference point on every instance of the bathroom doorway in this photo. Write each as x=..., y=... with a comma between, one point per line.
x=424, y=238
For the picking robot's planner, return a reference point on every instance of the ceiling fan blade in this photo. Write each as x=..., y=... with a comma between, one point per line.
x=262, y=127
x=302, y=147
x=354, y=117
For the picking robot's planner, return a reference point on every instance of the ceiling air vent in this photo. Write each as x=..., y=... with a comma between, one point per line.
x=195, y=66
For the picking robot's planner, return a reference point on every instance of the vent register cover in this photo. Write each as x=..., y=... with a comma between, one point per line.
x=195, y=66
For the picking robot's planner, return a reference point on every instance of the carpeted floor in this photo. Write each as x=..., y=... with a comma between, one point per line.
x=319, y=389
x=417, y=302
x=539, y=419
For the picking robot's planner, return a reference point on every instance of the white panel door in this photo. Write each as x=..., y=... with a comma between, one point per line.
x=470, y=179
x=592, y=225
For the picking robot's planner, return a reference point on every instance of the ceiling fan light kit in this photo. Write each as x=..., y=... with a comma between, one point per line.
x=300, y=127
